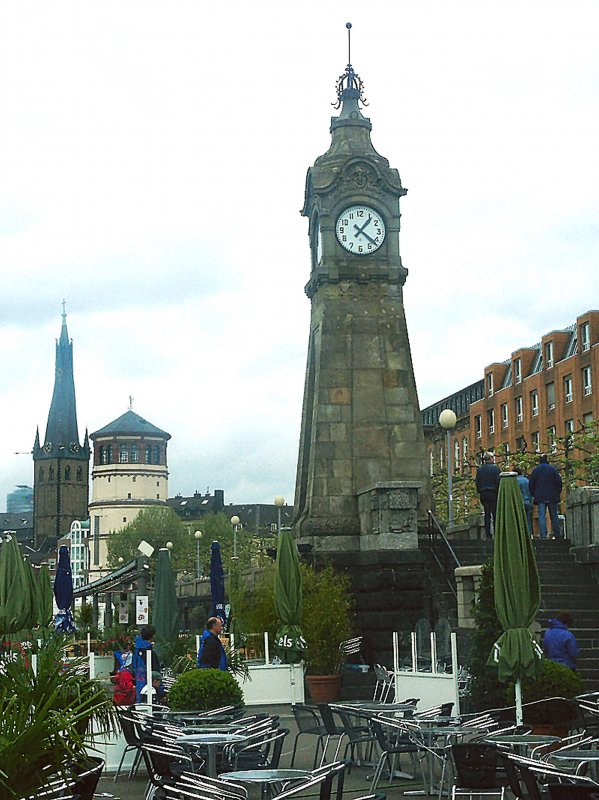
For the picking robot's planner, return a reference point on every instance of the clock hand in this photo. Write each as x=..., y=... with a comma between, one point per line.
x=362, y=231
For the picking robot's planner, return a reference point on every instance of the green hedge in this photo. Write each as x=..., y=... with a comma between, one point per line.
x=203, y=690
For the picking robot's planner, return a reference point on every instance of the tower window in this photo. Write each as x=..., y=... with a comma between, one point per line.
x=123, y=454
x=124, y=519
x=128, y=495
x=134, y=454
x=156, y=454
x=79, y=473
x=67, y=473
x=102, y=455
x=41, y=474
x=148, y=455
x=51, y=473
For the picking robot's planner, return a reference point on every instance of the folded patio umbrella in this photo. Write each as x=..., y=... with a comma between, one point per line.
x=63, y=592
x=217, y=583
x=517, y=590
x=165, y=611
x=17, y=606
x=289, y=641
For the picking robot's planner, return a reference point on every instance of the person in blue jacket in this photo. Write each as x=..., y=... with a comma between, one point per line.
x=487, y=486
x=559, y=643
x=211, y=654
x=545, y=485
x=527, y=499
x=143, y=643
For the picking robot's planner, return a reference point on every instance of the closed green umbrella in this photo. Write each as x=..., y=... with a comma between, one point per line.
x=289, y=641
x=517, y=589
x=165, y=611
x=16, y=601
x=46, y=595
x=34, y=589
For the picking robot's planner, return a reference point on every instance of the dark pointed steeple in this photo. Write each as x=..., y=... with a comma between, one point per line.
x=62, y=435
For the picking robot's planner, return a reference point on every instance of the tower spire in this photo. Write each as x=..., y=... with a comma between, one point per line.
x=61, y=429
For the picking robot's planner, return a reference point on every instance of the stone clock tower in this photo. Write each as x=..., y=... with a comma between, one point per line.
x=361, y=476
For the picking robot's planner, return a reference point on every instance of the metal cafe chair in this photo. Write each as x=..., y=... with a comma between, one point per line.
x=475, y=770
x=308, y=722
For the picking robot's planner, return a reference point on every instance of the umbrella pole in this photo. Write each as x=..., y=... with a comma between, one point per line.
x=518, y=702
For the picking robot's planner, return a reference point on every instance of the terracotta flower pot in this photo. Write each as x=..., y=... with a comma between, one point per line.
x=324, y=688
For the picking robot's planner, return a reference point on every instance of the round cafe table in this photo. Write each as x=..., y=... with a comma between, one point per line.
x=266, y=777
x=521, y=742
x=211, y=742
x=580, y=757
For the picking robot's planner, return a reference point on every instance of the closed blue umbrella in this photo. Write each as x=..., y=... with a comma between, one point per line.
x=217, y=583
x=63, y=592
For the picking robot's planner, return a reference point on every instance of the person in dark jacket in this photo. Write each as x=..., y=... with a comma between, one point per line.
x=143, y=643
x=487, y=486
x=211, y=654
x=559, y=643
x=545, y=485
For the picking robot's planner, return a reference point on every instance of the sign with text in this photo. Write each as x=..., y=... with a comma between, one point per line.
x=123, y=611
x=142, y=610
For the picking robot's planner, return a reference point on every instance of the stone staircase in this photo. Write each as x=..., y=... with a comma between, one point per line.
x=566, y=585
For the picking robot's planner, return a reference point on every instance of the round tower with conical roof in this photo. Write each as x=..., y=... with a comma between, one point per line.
x=129, y=473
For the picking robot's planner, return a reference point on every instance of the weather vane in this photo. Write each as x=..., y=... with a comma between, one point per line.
x=130, y=402
x=349, y=85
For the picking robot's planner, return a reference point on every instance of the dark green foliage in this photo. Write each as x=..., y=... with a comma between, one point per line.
x=555, y=680
x=486, y=690
x=203, y=690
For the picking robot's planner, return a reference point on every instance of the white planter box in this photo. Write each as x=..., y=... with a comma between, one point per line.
x=273, y=683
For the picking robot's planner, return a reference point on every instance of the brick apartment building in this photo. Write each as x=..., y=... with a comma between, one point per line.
x=538, y=395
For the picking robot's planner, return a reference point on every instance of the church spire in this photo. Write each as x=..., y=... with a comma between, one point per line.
x=62, y=434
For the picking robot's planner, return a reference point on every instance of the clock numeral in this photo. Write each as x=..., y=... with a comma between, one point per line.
x=341, y=230
x=379, y=231
x=351, y=216
x=360, y=249
x=360, y=213
x=346, y=222
x=344, y=238
x=351, y=245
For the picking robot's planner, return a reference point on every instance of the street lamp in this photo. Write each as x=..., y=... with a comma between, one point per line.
x=198, y=536
x=235, y=523
x=447, y=420
x=279, y=503
x=169, y=546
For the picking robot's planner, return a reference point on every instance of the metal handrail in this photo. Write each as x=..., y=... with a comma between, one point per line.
x=435, y=530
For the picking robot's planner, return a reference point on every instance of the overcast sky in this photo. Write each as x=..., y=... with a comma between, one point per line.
x=152, y=166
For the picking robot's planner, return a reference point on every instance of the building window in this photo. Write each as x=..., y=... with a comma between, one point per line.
x=67, y=473
x=124, y=519
x=587, y=421
x=534, y=403
x=102, y=454
x=587, y=381
x=128, y=495
x=568, y=389
x=491, y=420
x=134, y=454
x=478, y=426
x=518, y=370
x=148, y=455
x=431, y=463
x=40, y=475
x=585, y=336
x=79, y=473
x=552, y=437
x=465, y=450
x=456, y=453
x=548, y=355
x=550, y=392
x=569, y=425
x=108, y=454
x=504, y=415
x=490, y=384
x=123, y=454
x=519, y=412
x=51, y=474
x=134, y=478
x=156, y=454
x=96, y=540
x=536, y=443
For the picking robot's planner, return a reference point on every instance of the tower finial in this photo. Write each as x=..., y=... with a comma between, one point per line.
x=349, y=86
x=130, y=402
x=64, y=310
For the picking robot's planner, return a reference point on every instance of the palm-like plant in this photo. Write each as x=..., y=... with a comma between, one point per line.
x=44, y=718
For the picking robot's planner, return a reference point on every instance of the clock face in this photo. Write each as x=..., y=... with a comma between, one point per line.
x=48, y=447
x=74, y=447
x=360, y=230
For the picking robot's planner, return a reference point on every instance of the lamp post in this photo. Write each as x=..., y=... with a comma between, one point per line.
x=279, y=503
x=198, y=536
x=235, y=523
x=447, y=420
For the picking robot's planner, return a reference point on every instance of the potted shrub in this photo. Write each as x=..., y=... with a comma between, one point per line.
x=326, y=622
x=548, y=700
x=204, y=690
